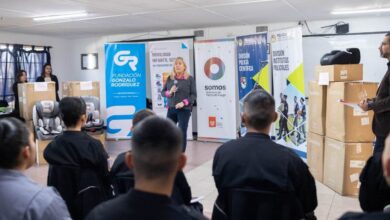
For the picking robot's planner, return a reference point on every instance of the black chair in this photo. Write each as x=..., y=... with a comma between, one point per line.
x=251, y=204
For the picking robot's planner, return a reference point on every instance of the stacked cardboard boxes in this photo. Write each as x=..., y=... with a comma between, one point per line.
x=347, y=143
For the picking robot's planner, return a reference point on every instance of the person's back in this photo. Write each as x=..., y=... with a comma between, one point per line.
x=256, y=162
x=155, y=159
x=78, y=165
x=20, y=197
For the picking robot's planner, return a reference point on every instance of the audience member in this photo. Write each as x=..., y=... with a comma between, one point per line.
x=77, y=162
x=22, y=198
x=155, y=158
x=255, y=162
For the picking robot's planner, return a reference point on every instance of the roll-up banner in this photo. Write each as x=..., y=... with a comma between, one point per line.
x=252, y=66
x=161, y=59
x=289, y=88
x=216, y=89
x=125, y=87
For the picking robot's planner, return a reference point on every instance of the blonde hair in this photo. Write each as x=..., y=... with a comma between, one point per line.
x=173, y=74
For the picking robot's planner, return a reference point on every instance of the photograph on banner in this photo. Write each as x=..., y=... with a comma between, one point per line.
x=162, y=56
x=216, y=88
x=252, y=67
x=125, y=87
x=289, y=89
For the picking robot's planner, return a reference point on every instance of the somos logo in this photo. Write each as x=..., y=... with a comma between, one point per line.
x=123, y=57
x=214, y=68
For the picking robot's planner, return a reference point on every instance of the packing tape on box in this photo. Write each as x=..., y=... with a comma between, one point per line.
x=354, y=177
x=357, y=163
x=365, y=121
x=313, y=142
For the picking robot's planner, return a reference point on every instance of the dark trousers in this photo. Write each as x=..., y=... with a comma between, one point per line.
x=182, y=117
x=379, y=144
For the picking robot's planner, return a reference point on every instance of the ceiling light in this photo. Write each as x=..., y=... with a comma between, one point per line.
x=75, y=14
x=345, y=12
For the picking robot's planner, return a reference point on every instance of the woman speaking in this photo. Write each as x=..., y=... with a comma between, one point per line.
x=181, y=94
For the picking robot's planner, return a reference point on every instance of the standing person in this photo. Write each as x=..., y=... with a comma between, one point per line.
x=283, y=118
x=20, y=197
x=249, y=162
x=78, y=165
x=374, y=193
x=47, y=76
x=155, y=158
x=181, y=93
x=21, y=77
x=296, y=117
x=302, y=114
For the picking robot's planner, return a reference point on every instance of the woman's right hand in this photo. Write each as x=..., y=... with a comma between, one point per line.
x=173, y=89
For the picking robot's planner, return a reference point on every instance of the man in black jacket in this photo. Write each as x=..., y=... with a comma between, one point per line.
x=78, y=165
x=155, y=159
x=374, y=192
x=255, y=162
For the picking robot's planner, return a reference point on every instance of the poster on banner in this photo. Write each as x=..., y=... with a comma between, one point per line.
x=289, y=89
x=216, y=89
x=162, y=55
x=125, y=87
x=252, y=67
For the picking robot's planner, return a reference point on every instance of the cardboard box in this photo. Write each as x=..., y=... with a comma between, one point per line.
x=317, y=108
x=343, y=163
x=40, y=148
x=101, y=137
x=77, y=88
x=30, y=93
x=337, y=73
x=315, y=155
x=344, y=122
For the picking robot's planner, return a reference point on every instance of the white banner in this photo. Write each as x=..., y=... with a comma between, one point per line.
x=216, y=88
x=289, y=88
x=161, y=59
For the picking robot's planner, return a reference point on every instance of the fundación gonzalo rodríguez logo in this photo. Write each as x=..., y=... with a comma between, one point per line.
x=123, y=57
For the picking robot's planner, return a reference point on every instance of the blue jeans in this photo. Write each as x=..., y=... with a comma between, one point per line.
x=182, y=117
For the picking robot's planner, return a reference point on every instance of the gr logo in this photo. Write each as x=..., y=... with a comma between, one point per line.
x=123, y=57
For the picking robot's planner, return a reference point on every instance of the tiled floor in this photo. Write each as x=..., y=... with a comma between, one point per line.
x=198, y=172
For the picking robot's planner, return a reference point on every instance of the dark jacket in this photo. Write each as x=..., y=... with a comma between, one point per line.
x=365, y=216
x=78, y=169
x=256, y=162
x=374, y=193
x=53, y=79
x=15, y=90
x=381, y=107
x=123, y=180
x=142, y=205
x=186, y=89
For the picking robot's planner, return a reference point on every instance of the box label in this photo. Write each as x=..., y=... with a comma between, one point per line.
x=359, y=112
x=344, y=74
x=40, y=87
x=357, y=164
x=86, y=85
x=354, y=177
x=323, y=79
x=365, y=121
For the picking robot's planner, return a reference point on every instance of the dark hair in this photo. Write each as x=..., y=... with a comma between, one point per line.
x=71, y=110
x=14, y=135
x=156, y=146
x=388, y=35
x=19, y=74
x=302, y=99
x=43, y=69
x=259, y=106
x=141, y=115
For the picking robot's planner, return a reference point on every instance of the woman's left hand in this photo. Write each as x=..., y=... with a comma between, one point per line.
x=179, y=105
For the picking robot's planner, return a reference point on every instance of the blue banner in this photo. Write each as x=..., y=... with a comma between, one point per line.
x=125, y=87
x=253, y=70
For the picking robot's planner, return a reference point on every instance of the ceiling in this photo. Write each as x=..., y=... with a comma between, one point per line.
x=134, y=16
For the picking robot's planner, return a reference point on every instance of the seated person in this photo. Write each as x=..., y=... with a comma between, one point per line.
x=21, y=77
x=78, y=165
x=255, y=162
x=123, y=177
x=383, y=214
x=155, y=158
x=21, y=197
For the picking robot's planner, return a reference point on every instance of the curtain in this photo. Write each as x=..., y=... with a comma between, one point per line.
x=7, y=73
